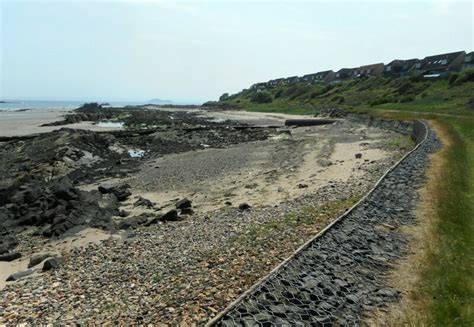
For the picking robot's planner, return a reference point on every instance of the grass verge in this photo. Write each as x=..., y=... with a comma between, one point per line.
x=447, y=280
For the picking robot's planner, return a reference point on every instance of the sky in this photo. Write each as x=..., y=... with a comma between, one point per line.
x=190, y=51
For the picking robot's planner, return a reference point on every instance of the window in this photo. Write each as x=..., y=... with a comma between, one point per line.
x=389, y=68
x=443, y=62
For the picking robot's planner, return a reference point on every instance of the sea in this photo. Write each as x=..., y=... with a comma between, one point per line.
x=32, y=104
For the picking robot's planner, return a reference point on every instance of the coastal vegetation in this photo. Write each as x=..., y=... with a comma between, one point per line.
x=446, y=284
x=454, y=95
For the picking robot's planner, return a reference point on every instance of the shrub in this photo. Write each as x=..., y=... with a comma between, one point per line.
x=467, y=75
x=338, y=99
x=452, y=78
x=416, y=78
x=405, y=87
x=278, y=93
x=210, y=104
x=470, y=104
x=406, y=98
x=224, y=97
x=296, y=90
x=261, y=97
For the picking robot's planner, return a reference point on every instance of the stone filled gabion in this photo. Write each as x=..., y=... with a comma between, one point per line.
x=339, y=276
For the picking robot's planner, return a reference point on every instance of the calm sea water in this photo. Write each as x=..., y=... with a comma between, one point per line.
x=23, y=104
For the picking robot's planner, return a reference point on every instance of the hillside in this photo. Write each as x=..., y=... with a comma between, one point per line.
x=454, y=95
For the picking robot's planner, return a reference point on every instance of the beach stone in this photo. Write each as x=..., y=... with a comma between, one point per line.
x=187, y=211
x=142, y=202
x=121, y=192
x=19, y=275
x=51, y=263
x=184, y=203
x=154, y=220
x=244, y=206
x=37, y=259
x=10, y=256
x=358, y=155
x=132, y=222
x=171, y=215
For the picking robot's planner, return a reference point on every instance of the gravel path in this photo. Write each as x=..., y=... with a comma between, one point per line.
x=340, y=276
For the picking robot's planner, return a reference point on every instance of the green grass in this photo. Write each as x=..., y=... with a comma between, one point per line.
x=259, y=234
x=401, y=143
x=448, y=279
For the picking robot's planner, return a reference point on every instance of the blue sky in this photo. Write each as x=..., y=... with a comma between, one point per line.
x=195, y=51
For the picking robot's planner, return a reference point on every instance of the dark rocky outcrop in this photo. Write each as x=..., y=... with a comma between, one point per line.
x=8, y=241
x=54, y=208
x=121, y=192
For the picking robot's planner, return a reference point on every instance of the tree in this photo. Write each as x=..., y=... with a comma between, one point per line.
x=224, y=97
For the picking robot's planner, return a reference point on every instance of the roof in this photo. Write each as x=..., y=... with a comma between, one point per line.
x=345, y=70
x=440, y=60
x=469, y=57
x=396, y=62
x=449, y=56
x=324, y=73
x=371, y=66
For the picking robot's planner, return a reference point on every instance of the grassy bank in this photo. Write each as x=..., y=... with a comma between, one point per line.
x=448, y=279
x=446, y=285
x=447, y=276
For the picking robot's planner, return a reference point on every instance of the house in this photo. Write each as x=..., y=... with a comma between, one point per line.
x=324, y=76
x=259, y=86
x=344, y=73
x=275, y=82
x=468, y=60
x=291, y=80
x=368, y=70
x=309, y=78
x=320, y=77
x=442, y=63
x=399, y=67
